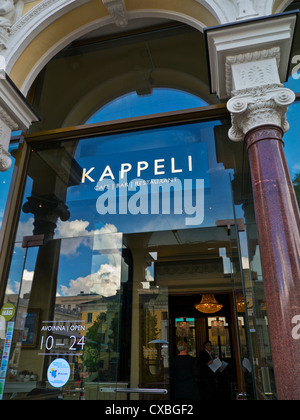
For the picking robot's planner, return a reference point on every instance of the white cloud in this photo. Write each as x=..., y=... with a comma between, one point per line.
x=75, y=233
x=105, y=282
x=28, y=275
x=25, y=229
x=78, y=231
x=14, y=287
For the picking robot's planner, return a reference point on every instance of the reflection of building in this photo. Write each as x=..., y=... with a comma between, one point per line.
x=223, y=69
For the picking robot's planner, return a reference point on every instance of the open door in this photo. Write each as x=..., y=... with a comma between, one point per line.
x=170, y=279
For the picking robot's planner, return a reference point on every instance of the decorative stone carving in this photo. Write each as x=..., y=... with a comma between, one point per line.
x=227, y=11
x=6, y=126
x=7, y=13
x=255, y=68
x=255, y=107
x=245, y=9
x=5, y=160
x=248, y=63
x=117, y=10
x=264, y=43
x=259, y=98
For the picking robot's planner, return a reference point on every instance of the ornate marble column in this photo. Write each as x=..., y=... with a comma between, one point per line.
x=258, y=108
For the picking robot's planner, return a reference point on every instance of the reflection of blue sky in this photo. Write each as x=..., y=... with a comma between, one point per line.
x=132, y=105
x=292, y=137
x=196, y=140
x=292, y=140
x=94, y=268
x=99, y=270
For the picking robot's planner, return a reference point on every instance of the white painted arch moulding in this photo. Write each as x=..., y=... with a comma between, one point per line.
x=26, y=29
x=47, y=12
x=38, y=66
x=33, y=23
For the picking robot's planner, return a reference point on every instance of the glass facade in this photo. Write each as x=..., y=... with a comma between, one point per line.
x=147, y=70
x=119, y=237
x=122, y=233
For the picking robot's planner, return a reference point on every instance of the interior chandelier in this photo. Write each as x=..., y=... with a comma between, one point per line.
x=208, y=305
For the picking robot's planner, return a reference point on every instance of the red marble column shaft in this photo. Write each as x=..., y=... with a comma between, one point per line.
x=278, y=226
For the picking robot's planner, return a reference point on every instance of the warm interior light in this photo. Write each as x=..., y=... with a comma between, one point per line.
x=218, y=328
x=208, y=305
x=240, y=303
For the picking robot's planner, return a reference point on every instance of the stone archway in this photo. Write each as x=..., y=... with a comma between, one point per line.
x=48, y=33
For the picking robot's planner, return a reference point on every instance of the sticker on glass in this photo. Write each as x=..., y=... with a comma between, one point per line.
x=58, y=373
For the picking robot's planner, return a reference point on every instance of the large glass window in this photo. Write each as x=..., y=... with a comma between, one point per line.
x=145, y=72
x=134, y=105
x=133, y=182
x=120, y=237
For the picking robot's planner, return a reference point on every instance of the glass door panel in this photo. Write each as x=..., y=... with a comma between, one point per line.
x=154, y=335
x=238, y=271
x=66, y=338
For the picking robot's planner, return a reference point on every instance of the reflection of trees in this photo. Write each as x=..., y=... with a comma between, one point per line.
x=102, y=340
x=92, y=349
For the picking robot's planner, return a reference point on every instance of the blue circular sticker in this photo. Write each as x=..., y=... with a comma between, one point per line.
x=58, y=373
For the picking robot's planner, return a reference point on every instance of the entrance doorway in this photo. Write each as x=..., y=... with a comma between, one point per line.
x=197, y=328
x=199, y=265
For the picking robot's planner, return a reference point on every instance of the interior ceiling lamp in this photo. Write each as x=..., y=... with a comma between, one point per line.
x=208, y=305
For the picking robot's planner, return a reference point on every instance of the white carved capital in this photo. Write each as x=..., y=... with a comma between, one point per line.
x=258, y=97
x=257, y=106
x=249, y=62
x=265, y=39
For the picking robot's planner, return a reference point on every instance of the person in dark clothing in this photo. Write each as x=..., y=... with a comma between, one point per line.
x=213, y=386
x=206, y=379
x=183, y=375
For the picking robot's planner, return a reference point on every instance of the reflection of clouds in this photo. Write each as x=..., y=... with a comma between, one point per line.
x=14, y=287
x=74, y=228
x=25, y=229
x=106, y=277
x=148, y=278
x=71, y=229
x=245, y=263
x=78, y=231
x=148, y=275
x=105, y=282
x=26, y=282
